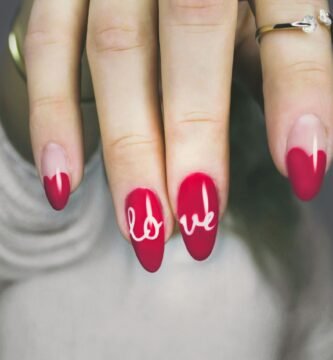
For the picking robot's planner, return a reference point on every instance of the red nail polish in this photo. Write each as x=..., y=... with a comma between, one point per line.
x=306, y=172
x=54, y=169
x=198, y=212
x=57, y=190
x=146, y=227
x=306, y=156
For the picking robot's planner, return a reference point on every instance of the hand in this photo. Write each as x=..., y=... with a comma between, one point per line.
x=179, y=165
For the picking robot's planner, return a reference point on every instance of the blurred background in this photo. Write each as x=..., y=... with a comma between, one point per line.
x=323, y=203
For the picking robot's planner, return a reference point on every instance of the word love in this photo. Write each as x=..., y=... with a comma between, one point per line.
x=206, y=222
x=151, y=227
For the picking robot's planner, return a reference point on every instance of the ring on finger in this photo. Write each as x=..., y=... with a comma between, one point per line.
x=308, y=25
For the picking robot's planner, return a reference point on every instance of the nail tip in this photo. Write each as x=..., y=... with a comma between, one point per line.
x=198, y=253
x=148, y=268
x=306, y=180
x=201, y=257
x=152, y=270
x=59, y=207
x=307, y=197
x=58, y=199
x=151, y=261
x=56, y=206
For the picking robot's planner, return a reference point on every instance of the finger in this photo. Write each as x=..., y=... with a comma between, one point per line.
x=297, y=72
x=52, y=53
x=197, y=43
x=122, y=51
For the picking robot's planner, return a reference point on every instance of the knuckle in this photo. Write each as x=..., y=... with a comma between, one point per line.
x=36, y=40
x=196, y=124
x=306, y=67
x=116, y=36
x=310, y=72
x=50, y=104
x=123, y=148
x=199, y=12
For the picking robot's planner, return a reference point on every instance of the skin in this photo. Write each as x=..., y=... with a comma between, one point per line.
x=297, y=80
x=13, y=91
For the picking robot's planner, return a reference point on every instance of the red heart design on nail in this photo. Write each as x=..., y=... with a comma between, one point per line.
x=306, y=172
x=57, y=190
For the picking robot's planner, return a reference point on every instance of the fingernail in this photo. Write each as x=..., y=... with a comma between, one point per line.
x=55, y=175
x=306, y=157
x=146, y=227
x=198, y=212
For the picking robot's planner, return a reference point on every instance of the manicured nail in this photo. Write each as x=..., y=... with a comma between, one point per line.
x=306, y=157
x=198, y=212
x=55, y=175
x=146, y=227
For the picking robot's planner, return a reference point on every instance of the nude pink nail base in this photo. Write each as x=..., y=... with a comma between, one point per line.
x=146, y=227
x=198, y=213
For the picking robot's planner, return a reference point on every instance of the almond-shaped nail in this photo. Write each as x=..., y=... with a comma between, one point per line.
x=198, y=214
x=306, y=156
x=146, y=227
x=55, y=175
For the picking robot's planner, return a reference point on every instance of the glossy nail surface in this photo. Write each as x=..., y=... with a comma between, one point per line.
x=55, y=176
x=306, y=157
x=146, y=227
x=198, y=212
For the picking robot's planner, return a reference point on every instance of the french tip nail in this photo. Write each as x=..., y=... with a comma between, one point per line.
x=57, y=190
x=305, y=173
x=146, y=227
x=197, y=212
x=306, y=157
x=56, y=179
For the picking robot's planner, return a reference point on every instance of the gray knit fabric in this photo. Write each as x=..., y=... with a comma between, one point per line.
x=35, y=237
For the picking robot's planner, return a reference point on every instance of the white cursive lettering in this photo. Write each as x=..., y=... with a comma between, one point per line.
x=149, y=224
x=206, y=222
